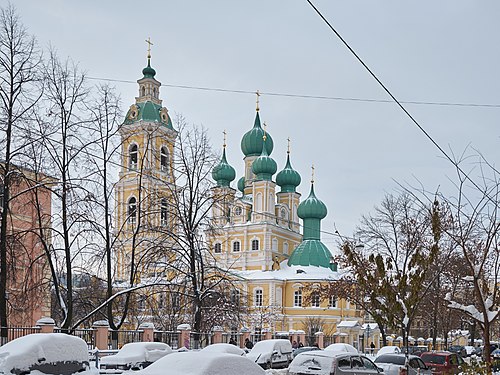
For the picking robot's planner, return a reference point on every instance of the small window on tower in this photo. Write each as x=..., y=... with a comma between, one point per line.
x=133, y=152
x=164, y=159
x=164, y=212
x=132, y=210
x=236, y=246
x=237, y=211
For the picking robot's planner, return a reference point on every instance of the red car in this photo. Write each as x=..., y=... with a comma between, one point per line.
x=443, y=362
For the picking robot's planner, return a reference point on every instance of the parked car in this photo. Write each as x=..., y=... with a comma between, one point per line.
x=443, y=362
x=395, y=364
x=203, y=363
x=133, y=356
x=459, y=349
x=303, y=349
x=224, y=348
x=416, y=349
x=49, y=353
x=331, y=362
x=390, y=349
x=469, y=350
x=340, y=347
x=276, y=353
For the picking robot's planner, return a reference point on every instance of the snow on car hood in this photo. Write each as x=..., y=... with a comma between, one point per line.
x=25, y=351
x=138, y=352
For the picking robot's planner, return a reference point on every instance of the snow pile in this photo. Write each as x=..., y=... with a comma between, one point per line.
x=36, y=348
x=202, y=363
x=223, y=348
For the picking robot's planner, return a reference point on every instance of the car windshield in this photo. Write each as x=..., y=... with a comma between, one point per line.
x=398, y=360
x=433, y=358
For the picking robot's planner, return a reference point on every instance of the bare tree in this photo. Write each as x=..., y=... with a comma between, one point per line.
x=19, y=63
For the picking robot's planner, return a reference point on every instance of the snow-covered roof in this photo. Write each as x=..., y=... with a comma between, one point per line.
x=291, y=273
x=372, y=326
x=348, y=324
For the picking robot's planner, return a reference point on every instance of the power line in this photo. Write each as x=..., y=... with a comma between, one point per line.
x=399, y=103
x=306, y=96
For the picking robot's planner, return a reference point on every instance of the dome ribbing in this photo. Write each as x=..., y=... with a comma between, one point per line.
x=252, y=142
x=223, y=173
x=288, y=179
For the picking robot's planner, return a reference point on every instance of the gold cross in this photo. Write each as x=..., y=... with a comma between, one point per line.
x=312, y=174
x=258, y=94
x=224, y=132
x=148, y=41
x=288, y=149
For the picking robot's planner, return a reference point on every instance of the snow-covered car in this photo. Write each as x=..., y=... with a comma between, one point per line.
x=395, y=364
x=275, y=353
x=304, y=349
x=50, y=353
x=203, y=363
x=331, y=362
x=340, y=347
x=133, y=356
x=388, y=350
x=223, y=348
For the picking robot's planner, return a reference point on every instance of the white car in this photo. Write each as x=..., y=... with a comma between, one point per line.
x=223, y=348
x=276, y=353
x=49, y=353
x=133, y=356
x=332, y=362
x=388, y=350
x=203, y=363
x=340, y=347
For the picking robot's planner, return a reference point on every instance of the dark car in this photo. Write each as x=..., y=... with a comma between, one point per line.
x=459, y=349
x=443, y=362
x=304, y=349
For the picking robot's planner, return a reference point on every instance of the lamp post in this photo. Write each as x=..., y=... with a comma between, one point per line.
x=367, y=331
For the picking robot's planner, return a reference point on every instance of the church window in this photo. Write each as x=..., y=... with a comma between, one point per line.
x=133, y=152
x=141, y=303
x=285, y=248
x=161, y=301
x=332, y=302
x=255, y=244
x=237, y=211
x=279, y=297
x=176, y=303
x=164, y=212
x=236, y=246
x=143, y=91
x=258, y=297
x=283, y=213
x=235, y=297
x=218, y=248
x=315, y=301
x=297, y=298
x=164, y=159
x=132, y=210
x=275, y=244
x=154, y=92
x=258, y=203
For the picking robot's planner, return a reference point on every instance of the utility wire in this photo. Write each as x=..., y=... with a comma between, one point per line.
x=306, y=96
x=400, y=105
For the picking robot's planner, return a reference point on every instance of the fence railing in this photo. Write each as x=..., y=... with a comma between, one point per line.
x=16, y=332
x=168, y=337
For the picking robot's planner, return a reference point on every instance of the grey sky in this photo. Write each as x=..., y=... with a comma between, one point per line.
x=432, y=51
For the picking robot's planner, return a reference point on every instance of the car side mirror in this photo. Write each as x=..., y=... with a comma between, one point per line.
x=275, y=352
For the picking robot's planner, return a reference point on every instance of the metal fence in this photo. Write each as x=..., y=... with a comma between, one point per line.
x=15, y=332
x=168, y=337
x=116, y=339
x=204, y=339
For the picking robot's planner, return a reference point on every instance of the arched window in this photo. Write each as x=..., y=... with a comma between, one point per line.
x=255, y=244
x=154, y=92
x=258, y=297
x=141, y=303
x=218, y=248
x=143, y=91
x=297, y=298
x=332, y=302
x=161, y=301
x=237, y=210
x=164, y=212
x=133, y=152
x=258, y=203
x=164, y=159
x=132, y=210
x=275, y=244
x=236, y=246
x=285, y=248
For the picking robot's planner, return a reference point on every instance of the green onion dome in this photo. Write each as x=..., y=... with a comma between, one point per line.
x=264, y=166
x=252, y=142
x=312, y=207
x=288, y=179
x=223, y=173
x=241, y=184
x=148, y=71
x=311, y=253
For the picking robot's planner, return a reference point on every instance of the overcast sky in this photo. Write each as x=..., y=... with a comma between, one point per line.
x=427, y=51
